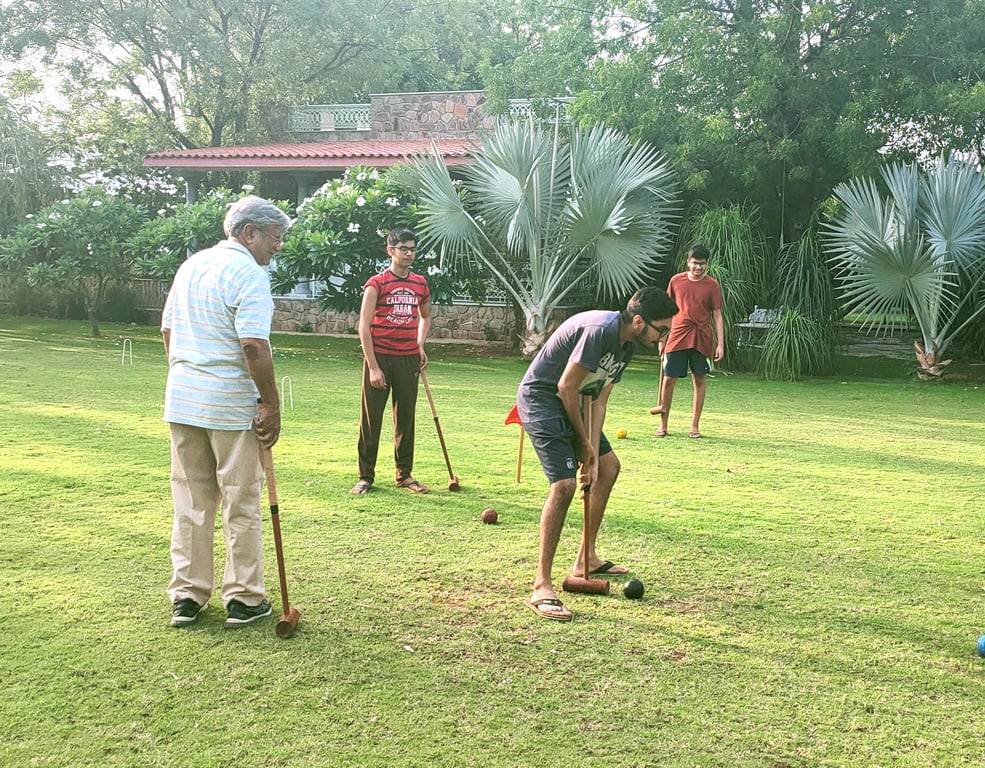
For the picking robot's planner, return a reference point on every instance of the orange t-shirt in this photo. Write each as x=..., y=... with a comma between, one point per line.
x=696, y=300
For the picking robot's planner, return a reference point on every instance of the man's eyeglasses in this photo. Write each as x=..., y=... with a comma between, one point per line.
x=662, y=330
x=279, y=241
x=405, y=249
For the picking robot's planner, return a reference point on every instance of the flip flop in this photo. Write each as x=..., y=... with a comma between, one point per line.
x=610, y=568
x=660, y=433
x=695, y=435
x=535, y=606
x=360, y=488
x=413, y=486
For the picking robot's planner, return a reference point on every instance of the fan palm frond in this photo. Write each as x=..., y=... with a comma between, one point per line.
x=545, y=214
x=910, y=252
x=953, y=208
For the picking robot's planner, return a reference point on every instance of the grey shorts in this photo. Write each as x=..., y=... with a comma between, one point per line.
x=676, y=363
x=554, y=442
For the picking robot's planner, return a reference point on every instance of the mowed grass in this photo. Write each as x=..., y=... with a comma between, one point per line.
x=813, y=570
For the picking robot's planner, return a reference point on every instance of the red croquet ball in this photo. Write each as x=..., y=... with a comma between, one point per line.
x=489, y=515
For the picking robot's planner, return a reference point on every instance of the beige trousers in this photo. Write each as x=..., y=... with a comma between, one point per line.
x=212, y=468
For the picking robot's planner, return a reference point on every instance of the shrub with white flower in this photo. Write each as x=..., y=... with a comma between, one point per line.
x=78, y=248
x=166, y=240
x=339, y=237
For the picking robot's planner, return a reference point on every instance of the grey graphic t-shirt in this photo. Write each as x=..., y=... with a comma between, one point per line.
x=590, y=339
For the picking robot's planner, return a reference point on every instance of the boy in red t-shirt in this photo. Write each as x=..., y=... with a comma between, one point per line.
x=691, y=343
x=394, y=321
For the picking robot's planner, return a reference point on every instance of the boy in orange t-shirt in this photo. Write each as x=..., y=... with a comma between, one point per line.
x=692, y=341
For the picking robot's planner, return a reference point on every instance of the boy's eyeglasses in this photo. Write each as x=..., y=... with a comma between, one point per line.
x=662, y=330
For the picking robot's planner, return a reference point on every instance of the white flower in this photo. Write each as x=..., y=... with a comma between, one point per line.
x=247, y=187
x=353, y=227
x=161, y=212
x=360, y=201
x=393, y=202
x=380, y=233
x=434, y=269
x=29, y=216
x=96, y=203
x=374, y=175
x=361, y=177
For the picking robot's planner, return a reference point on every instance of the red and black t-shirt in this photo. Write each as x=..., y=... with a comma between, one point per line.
x=397, y=315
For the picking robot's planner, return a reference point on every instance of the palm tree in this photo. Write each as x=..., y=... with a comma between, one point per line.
x=545, y=216
x=918, y=253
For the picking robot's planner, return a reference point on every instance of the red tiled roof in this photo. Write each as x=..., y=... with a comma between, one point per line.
x=311, y=155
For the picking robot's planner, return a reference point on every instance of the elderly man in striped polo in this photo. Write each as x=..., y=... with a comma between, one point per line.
x=222, y=407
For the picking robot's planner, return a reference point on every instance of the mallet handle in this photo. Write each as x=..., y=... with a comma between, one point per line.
x=268, y=468
x=586, y=408
x=437, y=426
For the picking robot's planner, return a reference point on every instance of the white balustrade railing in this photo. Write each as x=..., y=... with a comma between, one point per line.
x=330, y=117
x=316, y=118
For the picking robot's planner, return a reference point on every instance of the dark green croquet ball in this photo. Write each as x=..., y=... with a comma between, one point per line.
x=633, y=589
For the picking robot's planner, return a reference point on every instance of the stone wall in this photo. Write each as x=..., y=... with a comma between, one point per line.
x=436, y=115
x=467, y=322
x=458, y=322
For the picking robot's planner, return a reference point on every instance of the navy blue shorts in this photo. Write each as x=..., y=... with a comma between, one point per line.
x=555, y=444
x=676, y=363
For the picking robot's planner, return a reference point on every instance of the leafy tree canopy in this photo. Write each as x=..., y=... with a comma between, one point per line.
x=208, y=74
x=775, y=102
x=27, y=182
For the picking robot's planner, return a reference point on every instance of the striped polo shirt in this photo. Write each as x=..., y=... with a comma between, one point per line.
x=397, y=315
x=219, y=296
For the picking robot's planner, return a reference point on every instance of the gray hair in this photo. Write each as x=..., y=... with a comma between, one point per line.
x=256, y=211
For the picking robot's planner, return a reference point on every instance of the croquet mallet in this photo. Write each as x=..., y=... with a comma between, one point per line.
x=289, y=621
x=584, y=584
x=658, y=408
x=452, y=477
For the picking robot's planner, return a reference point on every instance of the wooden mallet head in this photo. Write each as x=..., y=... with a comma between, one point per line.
x=585, y=586
x=289, y=622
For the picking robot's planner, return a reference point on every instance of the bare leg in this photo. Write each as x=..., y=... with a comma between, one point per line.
x=666, y=398
x=598, y=499
x=551, y=522
x=700, y=387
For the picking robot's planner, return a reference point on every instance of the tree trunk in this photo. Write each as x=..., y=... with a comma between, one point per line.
x=535, y=332
x=931, y=369
x=519, y=321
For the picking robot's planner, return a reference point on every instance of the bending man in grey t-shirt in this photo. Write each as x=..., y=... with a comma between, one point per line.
x=585, y=356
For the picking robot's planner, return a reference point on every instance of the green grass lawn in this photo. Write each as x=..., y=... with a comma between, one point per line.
x=813, y=573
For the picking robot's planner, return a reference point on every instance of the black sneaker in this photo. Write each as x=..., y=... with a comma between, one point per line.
x=239, y=614
x=185, y=611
